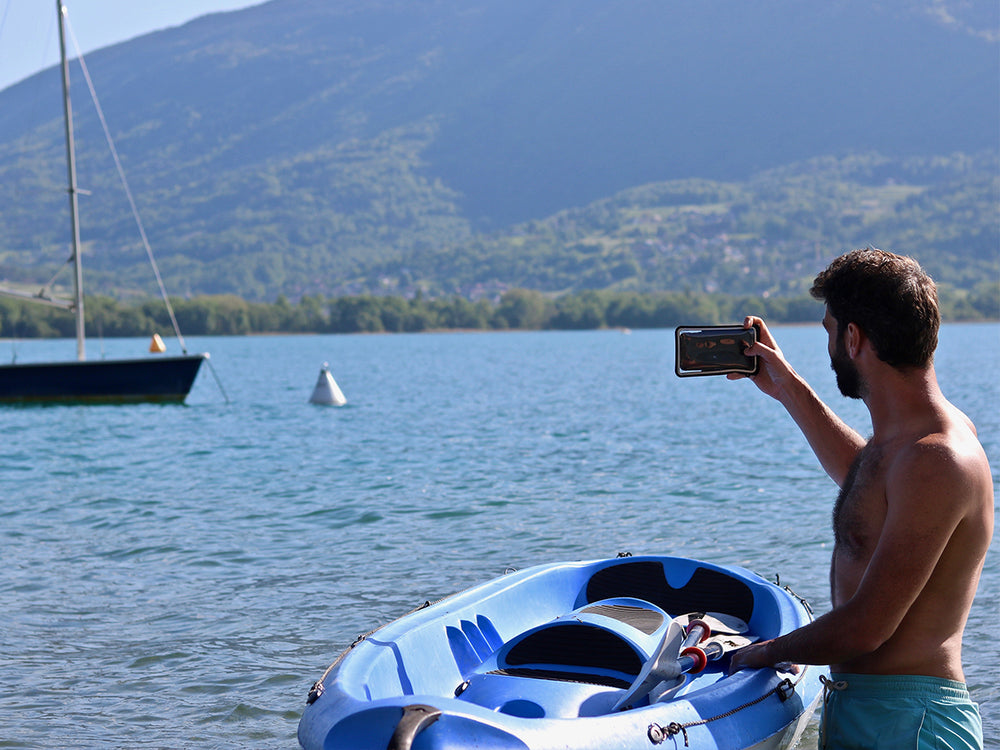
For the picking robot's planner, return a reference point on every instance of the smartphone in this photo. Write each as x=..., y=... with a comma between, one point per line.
x=714, y=350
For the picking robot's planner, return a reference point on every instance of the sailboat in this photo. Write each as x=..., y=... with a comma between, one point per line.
x=148, y=379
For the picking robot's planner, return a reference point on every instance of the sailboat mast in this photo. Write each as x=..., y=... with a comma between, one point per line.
x=73, y=203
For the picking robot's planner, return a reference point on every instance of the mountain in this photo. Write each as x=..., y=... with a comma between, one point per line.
x=306, y=146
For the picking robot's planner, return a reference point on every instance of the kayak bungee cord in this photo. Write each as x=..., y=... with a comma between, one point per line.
x=784, y=690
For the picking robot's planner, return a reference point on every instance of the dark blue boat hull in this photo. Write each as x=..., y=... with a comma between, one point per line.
x=144, y=380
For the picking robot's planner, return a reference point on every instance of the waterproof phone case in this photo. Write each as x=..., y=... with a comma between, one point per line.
x=714, y=350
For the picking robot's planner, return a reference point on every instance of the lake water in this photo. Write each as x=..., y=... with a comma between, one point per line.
x=178, y=576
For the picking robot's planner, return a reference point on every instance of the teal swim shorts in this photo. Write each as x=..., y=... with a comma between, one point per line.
x=897, y=712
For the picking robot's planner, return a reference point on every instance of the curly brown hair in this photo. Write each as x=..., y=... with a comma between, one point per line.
x=887, y=296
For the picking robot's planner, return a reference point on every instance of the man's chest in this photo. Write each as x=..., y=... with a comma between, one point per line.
x=860, y=510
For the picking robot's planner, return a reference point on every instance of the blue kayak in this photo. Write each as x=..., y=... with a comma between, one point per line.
x=624, y=653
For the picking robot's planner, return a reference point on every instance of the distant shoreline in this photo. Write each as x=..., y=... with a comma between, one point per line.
x=616, y=329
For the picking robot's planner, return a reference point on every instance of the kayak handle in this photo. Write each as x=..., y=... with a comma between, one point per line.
x=414, y=720
x=695, y=632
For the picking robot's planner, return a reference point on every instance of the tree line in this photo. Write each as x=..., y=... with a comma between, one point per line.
x=516, y=309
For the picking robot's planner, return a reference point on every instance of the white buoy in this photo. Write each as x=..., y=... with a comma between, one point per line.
x=327, y=392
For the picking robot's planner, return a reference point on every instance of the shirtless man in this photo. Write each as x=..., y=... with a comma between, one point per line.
x=912, y=523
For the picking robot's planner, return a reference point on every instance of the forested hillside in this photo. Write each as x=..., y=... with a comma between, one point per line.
x=467, y=147
x=767, y=236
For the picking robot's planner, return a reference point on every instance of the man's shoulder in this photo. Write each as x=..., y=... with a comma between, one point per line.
x=946, y=435
x=939, y=451
x=948, y=459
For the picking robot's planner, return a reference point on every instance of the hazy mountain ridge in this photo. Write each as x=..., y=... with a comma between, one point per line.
x=303, y=146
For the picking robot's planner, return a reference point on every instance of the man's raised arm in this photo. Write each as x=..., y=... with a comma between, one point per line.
x=835, y=443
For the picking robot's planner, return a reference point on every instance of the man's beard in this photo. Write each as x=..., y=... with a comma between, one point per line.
x=848, y=378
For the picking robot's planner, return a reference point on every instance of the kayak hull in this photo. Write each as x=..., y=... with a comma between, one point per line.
x=539, y=658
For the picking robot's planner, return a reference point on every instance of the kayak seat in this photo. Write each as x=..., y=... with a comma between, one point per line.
x=573, y=651
x=706, y=591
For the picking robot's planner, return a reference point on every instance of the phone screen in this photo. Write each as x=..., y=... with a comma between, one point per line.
x=714, y=350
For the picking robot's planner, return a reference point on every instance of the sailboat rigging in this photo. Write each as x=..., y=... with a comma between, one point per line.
x=148, y=379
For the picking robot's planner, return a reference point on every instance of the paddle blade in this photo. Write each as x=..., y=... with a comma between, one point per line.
x=719, y=622
x=661, y=666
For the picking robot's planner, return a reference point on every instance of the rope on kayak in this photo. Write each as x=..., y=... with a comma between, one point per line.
x=804, y=603
x=317, y=689
x=658, y=734
x=784, y=690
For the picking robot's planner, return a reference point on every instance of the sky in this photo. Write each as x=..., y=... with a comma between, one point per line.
x=29, y=37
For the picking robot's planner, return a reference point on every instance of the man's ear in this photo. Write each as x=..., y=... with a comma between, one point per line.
x=853, y=339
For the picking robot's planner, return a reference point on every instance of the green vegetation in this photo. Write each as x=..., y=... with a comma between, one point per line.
x=769, y=235
x=659, y=255
x=516, y=309
x=365, y=218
